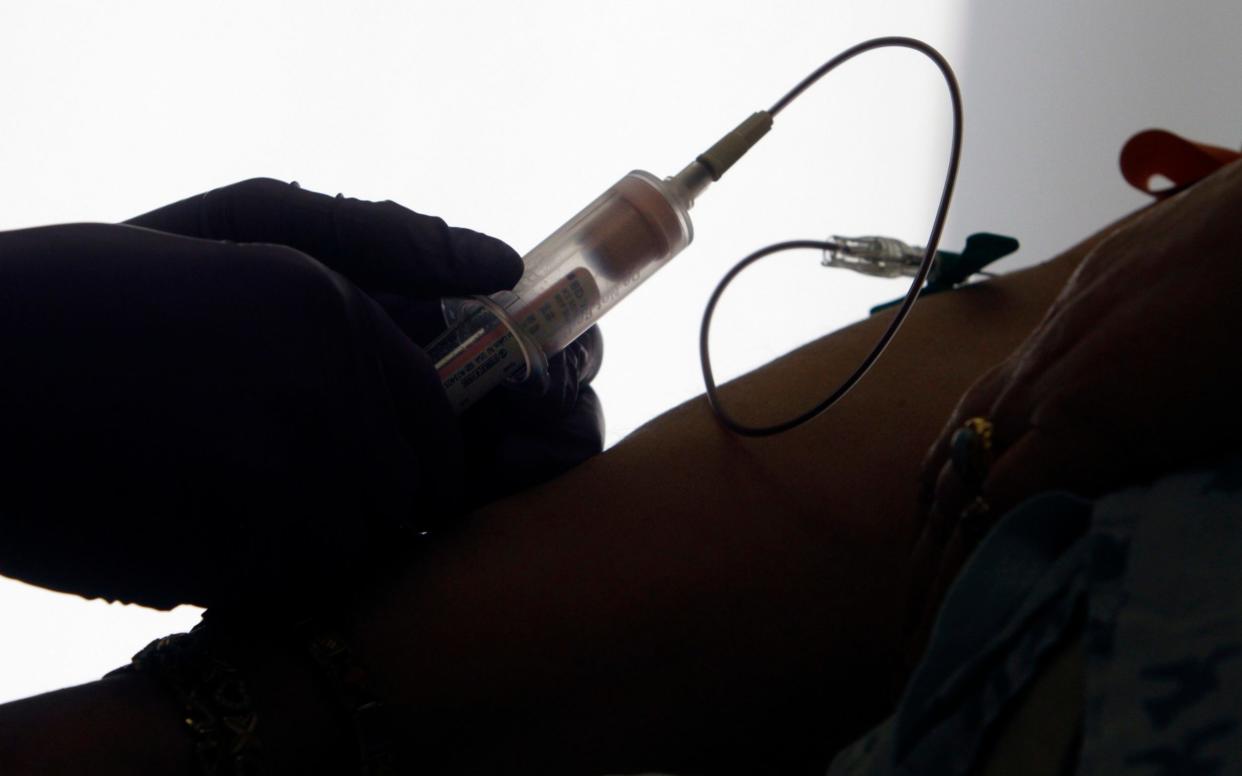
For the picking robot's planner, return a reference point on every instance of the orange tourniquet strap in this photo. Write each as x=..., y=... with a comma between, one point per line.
x=1157, y=152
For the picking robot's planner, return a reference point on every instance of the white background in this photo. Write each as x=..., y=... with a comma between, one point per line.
x=507, y=117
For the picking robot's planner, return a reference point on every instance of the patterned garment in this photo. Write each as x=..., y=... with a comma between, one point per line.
x=1149, y=578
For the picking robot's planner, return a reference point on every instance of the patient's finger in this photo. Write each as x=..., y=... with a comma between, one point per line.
x=976, y=401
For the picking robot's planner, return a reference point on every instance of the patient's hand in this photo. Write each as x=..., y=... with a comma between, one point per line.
x=1132, y=372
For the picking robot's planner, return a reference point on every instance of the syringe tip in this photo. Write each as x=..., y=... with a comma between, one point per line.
x=720, y=157
x=690, y=182
x=715, y=161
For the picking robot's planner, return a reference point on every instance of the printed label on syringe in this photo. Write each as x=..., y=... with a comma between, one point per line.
x=555, y=317
x=492, y=353
x=478, y=364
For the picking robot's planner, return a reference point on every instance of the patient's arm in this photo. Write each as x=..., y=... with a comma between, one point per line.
x=688, y=601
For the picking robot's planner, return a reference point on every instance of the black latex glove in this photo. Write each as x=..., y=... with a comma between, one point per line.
x=514, y=438
x=200, y=420
x=518, y=436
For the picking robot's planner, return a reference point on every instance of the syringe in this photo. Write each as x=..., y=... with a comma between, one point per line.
x=634, y=228
x=578, y=273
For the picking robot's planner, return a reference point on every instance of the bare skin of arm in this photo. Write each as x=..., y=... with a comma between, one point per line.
x=689, y=601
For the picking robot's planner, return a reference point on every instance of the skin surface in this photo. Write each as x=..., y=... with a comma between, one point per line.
x=1153, y=310
x=695, y=601
x=688, y=601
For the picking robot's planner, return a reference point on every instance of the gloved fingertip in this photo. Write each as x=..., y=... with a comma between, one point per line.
x=557, y=390
x=487, y=261
x=591, y=415
x=591, y=354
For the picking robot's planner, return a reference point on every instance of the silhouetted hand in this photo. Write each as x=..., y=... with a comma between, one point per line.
x=1132, y=373
x=515, y=437
x=214, y=408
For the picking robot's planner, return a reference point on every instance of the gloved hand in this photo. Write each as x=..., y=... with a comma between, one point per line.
x=520, y=435
x=514, y=438
x=191, y=420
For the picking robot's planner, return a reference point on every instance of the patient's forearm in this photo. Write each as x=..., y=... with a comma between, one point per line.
x=689, y=600
x=685, y=599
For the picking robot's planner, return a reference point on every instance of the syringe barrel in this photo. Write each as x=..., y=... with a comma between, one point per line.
x=571, y=279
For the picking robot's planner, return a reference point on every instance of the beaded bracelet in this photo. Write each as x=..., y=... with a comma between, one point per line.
x=218, y=707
